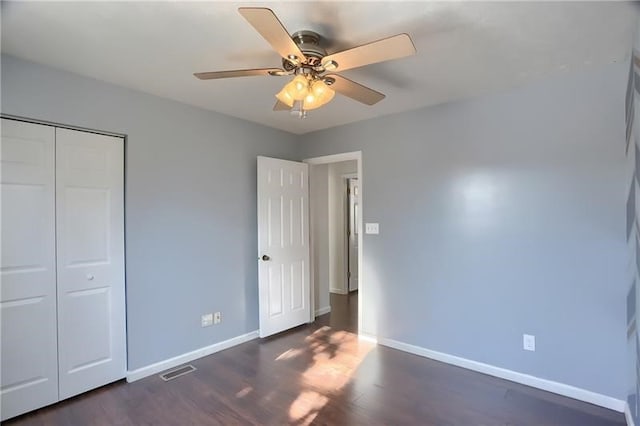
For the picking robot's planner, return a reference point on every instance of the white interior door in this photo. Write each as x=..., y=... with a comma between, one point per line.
x=90, y=264
x=29, y=371
x=354, y=211
x=283, y=245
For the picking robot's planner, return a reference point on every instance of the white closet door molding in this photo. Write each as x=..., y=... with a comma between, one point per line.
x=90, y=260
x=29, y=378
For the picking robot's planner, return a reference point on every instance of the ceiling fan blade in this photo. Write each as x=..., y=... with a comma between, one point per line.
x=270, y=27
x=355, y=91
x=395, y=47
x=236, y=73
x=281, y=106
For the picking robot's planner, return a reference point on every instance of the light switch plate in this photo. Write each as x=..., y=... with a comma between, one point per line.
x=371, y=228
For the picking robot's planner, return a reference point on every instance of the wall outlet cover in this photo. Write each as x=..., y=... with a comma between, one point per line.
x=206, y=320
x=372, y=228
x=529, y=342
x=217, y=317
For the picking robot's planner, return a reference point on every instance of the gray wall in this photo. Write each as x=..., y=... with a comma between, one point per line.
x=190, y=203
x=500, y=216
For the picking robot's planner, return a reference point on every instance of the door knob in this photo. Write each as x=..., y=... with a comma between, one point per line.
x=265, y=257
x=90, y=277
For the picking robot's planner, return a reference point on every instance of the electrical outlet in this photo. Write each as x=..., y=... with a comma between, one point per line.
x=206, y=320
x=372, y=228
x=217, y=318
x=529, y=342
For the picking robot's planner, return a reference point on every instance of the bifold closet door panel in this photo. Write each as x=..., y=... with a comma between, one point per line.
x=90, y=260
x=29, y=367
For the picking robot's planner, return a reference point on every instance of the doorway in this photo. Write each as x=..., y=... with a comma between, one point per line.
x=335, y=198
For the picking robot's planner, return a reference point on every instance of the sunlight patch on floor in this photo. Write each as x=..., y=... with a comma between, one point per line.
x=244, y=392
x=291, y=353
x=334, y=357
x=307, y=406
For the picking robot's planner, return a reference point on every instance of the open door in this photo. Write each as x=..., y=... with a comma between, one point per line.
x=283, y=245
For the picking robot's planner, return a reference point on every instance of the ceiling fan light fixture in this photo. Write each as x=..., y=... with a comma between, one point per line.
x=298, y=87
x=295, y=90
x=310, y=92
x=298, y=110
x=284, y=97
x=320, y=94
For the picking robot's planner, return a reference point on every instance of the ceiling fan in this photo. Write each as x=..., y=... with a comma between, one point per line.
x=314, y=83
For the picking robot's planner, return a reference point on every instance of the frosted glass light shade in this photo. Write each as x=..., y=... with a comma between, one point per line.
x=298, y=87
x=285, y=97
x=319, y=95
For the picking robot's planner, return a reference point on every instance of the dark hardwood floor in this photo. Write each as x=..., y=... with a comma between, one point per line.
x=322, y=374
x=344, y=313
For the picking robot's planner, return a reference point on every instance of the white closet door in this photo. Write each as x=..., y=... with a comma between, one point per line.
x=29, y=372
x=90, y=261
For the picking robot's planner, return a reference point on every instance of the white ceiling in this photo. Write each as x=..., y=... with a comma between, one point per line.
x=464, y=48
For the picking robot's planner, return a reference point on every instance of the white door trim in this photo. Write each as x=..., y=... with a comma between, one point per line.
x=345, y=230
x=63, y=126
x=336, y=158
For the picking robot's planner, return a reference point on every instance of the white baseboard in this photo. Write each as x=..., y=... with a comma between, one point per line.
x=149, y=370
x=323, y=311
x=338, y=291
x=627, y=415
x=368, y=338
x=514, y=376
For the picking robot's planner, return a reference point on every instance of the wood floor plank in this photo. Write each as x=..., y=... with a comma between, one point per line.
x=322, y=374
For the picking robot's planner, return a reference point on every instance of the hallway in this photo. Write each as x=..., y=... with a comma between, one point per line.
x=344, y=312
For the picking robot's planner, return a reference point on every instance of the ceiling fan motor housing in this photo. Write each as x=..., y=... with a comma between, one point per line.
x=309, y=44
